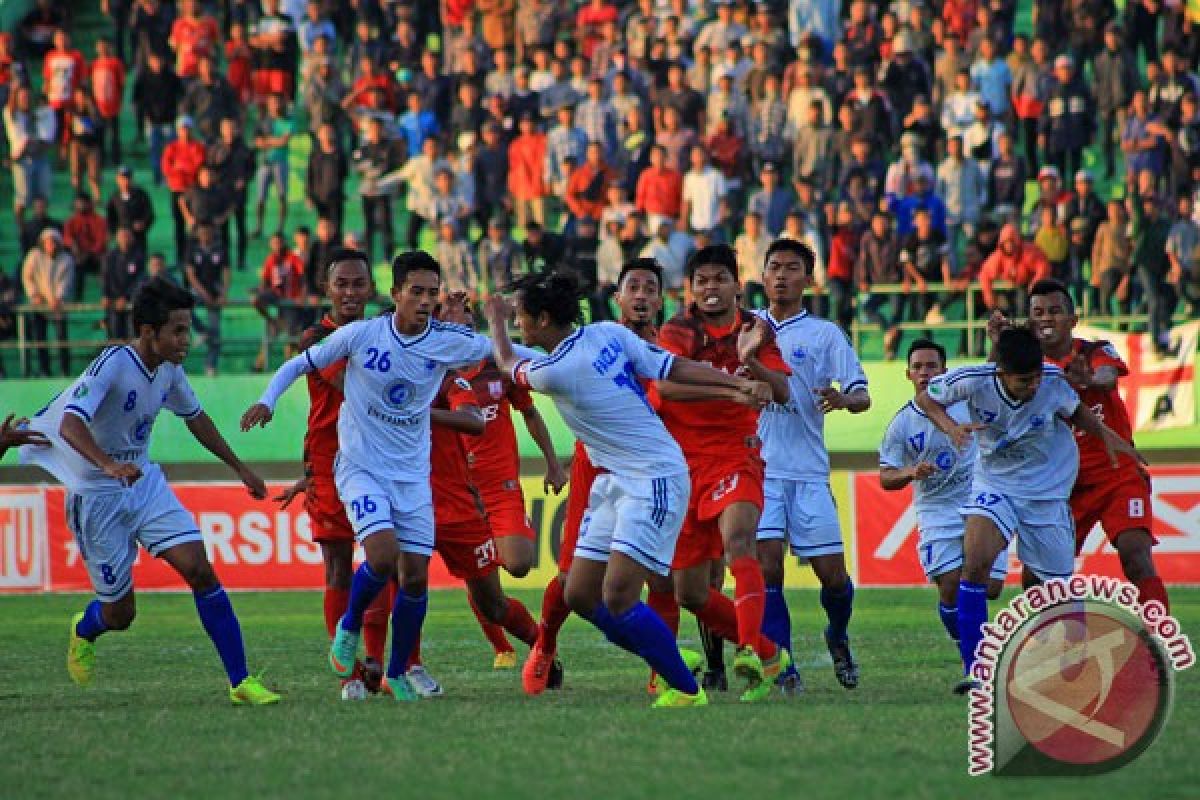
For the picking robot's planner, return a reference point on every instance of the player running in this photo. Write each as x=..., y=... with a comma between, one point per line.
x=1116, y=497
x=1027, y=464
x=719, y=439
x=98, y=431
x=637, y=506
x=916, y=452
x=799, y=509
x=395, y=365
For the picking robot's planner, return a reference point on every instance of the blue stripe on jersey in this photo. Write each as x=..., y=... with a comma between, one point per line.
x=452, y=327
x=376, y=524
x=98, y=364
x=79, y=411
x=801, y=548
x=854, y=386
x=658, y=510
x=640, y=552
x=563, y=348
x=191, y=414
x=665, y=370
x=970, y=372
x=1004, y=395
x=790, y=320
x=137, y=360
x=308, y=358
x=914, y=407
x=395, y=335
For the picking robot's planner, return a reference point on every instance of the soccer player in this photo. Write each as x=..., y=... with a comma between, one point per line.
x=1116, y=497
x=916, y=452
x=639, y=297
x=637, y=505
x=798, y=505
x=99, y=433
x=16, y=433
x=719, y=439
x=395, y=365
x=1019, y=408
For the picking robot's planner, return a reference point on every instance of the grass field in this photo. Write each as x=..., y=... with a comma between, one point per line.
x=156, y=723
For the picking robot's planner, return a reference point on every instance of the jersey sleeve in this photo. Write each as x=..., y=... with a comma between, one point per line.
x=677, y=339
x=458, y=393
x=93, y=386
x=461, y=346
x=955, y=385
x=181, y=399
x=770, y=357
x=335, y=347
x=892, y=452
x=1105, y=355
x=846, y=368
x=649, y=361
x=519, y=397
x=1064, y=399
x=543, y=374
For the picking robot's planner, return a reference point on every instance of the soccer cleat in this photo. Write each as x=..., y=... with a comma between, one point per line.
x=556, y=675
x=505, y=660
x=343, y=652
x=423, y=683
x=772, y=670
x=81, y=655
x=674, y=698
x=372, y=675
x=966, y=685
x=749, y=667
x=715, y=681
x=535, y=675
x=251, y=692
x=694, y=662
x=399, y=689
x=354, y=689
x=844, y=665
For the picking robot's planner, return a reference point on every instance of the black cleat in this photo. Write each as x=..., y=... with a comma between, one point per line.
x=372, y=675
x=555, y=679
x=715, y=681
x=966, y=685
x=790, y=683
x=845, y=668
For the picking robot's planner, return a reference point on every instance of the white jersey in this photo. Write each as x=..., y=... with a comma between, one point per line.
x=593, y=376
x=391, y=380
x=1026, y=449
x=119, y=400
x=793, y=433
x=912, y=438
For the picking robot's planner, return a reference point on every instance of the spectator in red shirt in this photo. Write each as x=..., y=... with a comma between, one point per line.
x=527, y=172
x=590, y=21
x=181, y=161
x=588, y=184
x=238, y=57
x=659, y=189
x=62, y=70
x=1014, y=261
x=108, y=87
x=363, y=95
x=839, y=272
x=193, y=35
x=86, y=236
x=282, y=286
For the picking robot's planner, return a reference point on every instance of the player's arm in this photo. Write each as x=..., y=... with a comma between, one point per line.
x=752, y=340
x=498, y=311
x=893, y=479
x=697, y=393
x=1082, y=375
x=336, y=346
x=75, y=431
x=959, y=433
x=855, y=401
x=693, y=379
x=464, y=419
x=556, y=476
x=13, y=433
x=206, y=433
x=1083, y=419
x=851, y=394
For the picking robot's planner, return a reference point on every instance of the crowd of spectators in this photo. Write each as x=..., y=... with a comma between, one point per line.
x=902, y=140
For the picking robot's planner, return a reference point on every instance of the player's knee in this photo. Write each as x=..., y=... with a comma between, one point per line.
x=518, y=567
x=199, y=575
x=740, y=544
x=691, y=597
x=1134, y=550
x=580, y=601
x=414, y=584
x=772, y=571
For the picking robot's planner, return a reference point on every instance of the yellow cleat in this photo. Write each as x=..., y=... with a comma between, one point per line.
x=251, y=692
x=749, y=667
x=694, y=662
x=772, y=669
x=507, y=660
x=81, y=655
x=674, y=698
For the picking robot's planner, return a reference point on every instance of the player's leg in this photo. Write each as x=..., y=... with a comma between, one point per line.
x=88, y=625
x=712, y=642
x=983, y=541
x=408, y=618
x=338, y=557
x=1134, y=546
x=947, y=586
x=505, y=655
x=507, y=612
x=516, y=554
x=771, y=547
x=516, y=541
x=660, y=596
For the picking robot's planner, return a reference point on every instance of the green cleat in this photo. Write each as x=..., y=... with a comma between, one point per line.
x=772, y=669
x=251, y=692
x=749, y=667
x=695, y=665
x=343, y=652
x=399, y=689
x=81, y=655
x=674, y=698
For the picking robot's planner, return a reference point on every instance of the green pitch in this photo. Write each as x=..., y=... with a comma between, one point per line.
x=157, y=723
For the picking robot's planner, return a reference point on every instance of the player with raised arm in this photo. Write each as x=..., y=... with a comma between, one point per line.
x=637, y=505
x=395, y=365
x=915, y=452
x=99, y=439
x=639, y=297
x=1020, y=410
x=1116, y=497
x=799, y=509
x=719, y=439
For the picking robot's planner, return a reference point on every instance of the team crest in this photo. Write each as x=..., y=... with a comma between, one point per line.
x=799, y=354
x=80, y=391
x=462, y=384
x=496, y=389
x=945, y=459
x=397, y=394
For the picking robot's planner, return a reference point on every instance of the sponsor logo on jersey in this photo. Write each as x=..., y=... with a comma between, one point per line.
x=397, y=394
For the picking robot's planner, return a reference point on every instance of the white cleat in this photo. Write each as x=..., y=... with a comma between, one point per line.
x=423, y=683
x=354, y=690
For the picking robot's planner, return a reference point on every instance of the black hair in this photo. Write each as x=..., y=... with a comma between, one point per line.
x=556, y=293
x=413, y=261
x=155, y=301
x=926, y=344
x=340, y=254
x=1018, y=351
x=644, y=264
x=1048, y=286
x=721, y=255
x=785, y=244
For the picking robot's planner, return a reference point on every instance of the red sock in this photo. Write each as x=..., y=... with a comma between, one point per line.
x=519, y=623
x=336, y=603
x=414, y=660
x=493, y=632
x=1152, y=588
x=721, y=616
x=749, y=598
x=665, y=605
x=554, y=614
x=376, y=619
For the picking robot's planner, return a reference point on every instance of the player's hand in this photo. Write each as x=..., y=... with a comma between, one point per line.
x=1079, y=372
x=556, y=477
x=455, y=309
x=756, y=394
x=961, y=434
x=289, y=494
x=751, y=337
x=996, y=324
x=257, y=415
x=13, y=433
x=830, y=399
x=254, y=484
x=127, y=474
x=923, y=470
x=498, y=310
x=1115, y=446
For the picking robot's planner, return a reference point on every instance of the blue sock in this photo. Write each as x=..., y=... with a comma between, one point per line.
x=949, y=617
x=972, y=614
x=603, y=619
x=221, y=625
x=408, y=617
x=364, y=587
x=92, y=624
x=838, y=607
x=777, y=622
x=646, y=635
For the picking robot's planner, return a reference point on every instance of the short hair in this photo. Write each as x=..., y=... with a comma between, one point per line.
x=155, y=301
x=556, y=293
x=413, y=261
x=786, y=244
x=1048, y=286
x=721, y=255
x=340, y=254
x=646, y=265
x=926, y=344
x=1018, y=351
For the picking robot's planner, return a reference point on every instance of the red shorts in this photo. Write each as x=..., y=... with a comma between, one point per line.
x=583, y=475
x=271, y=81
x=1119, y=504
x=716, y=485
x=467, y=548
x=328, y=514
x=505, y=505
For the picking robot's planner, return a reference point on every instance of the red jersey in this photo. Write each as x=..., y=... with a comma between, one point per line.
x=493, y=457
x=62, y=71
x=324, y=404
x=284, y=275
x=192, y=38
x=108, y=84
x=1094, y=466
x=708, y=428
x=454, y=497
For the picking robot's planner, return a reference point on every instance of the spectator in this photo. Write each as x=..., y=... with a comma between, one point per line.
x=1112, y=260
x=1068, y=121
x=157, y=91
x=958, y=109
x=1084, y=204
x=271, y=140
x=1015, y=262
x=209, y=276
x=659, y=189
x=107, y=81
x=542, y=250
x=923, y=123
x=36, y=223
x=1031, y=87
x=86, y=236
x=489, y=169
x=314, y=26
x=1051, y=237
x=48, y=276
x=31, y=133
x=421, y=175
x=926, y=257
x=194, y=36
x=1151, y=230
x=962, y=187
x=375, y=158
x=124, y=270
x=130, y=207
x=905, y=76
x=526, y=179
x=150, y=22
x=316, y=264
x=564, y=141
x=207, y=203
x=1006, y=179
x=903, y=175
x=210, y=98
x=9, y=292
x=84, y=139
x=839, y=274
x=728, y=153
x=36, y=29
x=181, y=162
x=275, y=53
x=703, y=188
x=878, y=264
x=991, y=77
x=677, y=140
x=63, y=71
x=1183, y=251
x=499, y=258
x=1115, y=76
x=281, y=286
x=772, y=202
x=1143, y=139
x=768, y=124
x=751, y=249
x=325, y=180
x=233, y=162
x=453, y=252
x=872, y=115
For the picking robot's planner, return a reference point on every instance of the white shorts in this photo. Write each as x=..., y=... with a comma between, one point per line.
x=941, y=551
x=374, y=504
x=802, y=512
x=639, y=517
x=108, y=528
x=1046, y=540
